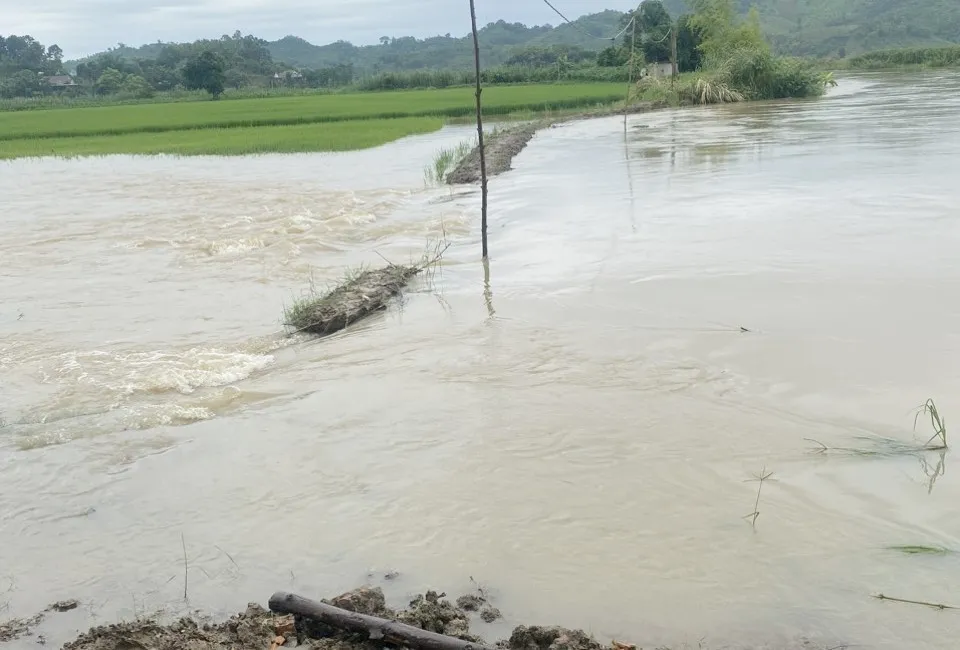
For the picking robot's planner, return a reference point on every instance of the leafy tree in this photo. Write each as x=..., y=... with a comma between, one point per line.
x=205, y=71
x=689, y=57
x=110, y=82
x=613, y=57
x=653, y=24
x=136, y=86
x=722, y=30
x=21, y=84
x=236, y=78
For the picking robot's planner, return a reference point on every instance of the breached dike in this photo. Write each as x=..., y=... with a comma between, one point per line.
x=504, y=144
x=359, y=296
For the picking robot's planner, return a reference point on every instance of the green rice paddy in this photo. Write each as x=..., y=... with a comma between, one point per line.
x=322, y=122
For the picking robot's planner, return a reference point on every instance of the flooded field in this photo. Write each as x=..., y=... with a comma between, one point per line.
x=722, y=292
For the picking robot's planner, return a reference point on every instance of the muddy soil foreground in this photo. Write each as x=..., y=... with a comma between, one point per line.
x=258, y=628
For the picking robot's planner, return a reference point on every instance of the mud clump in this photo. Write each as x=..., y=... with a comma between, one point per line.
x=550, y=638
x=470, y=603
x=431, y=613
x=362, y=601
x=489, y=614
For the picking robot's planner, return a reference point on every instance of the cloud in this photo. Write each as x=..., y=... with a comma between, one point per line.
x=83, y=27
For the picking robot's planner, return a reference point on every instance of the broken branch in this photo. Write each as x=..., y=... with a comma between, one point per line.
x=374, y=627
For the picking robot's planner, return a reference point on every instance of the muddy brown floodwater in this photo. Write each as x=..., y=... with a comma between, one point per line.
x=579, y=437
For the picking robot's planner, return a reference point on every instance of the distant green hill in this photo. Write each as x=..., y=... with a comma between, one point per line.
x=498, y=42
x=802, y=27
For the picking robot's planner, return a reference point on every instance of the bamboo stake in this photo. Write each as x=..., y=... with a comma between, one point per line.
x=483, y=158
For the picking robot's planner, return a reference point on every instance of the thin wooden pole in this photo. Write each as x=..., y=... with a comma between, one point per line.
x=673, y=51
x=630, y=75
x=483, y=156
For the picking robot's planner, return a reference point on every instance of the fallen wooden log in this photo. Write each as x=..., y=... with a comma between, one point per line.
x=377, y=629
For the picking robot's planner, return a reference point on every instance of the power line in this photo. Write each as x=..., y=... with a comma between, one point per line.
x=582, y=30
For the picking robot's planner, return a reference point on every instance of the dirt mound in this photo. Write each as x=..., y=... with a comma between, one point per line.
x=255, y=628
x=500, y=148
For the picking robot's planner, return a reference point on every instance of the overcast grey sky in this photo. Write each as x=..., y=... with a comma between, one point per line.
x=84, y=27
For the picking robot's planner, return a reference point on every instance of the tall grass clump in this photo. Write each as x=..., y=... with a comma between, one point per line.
x=737, y=63
x=445, y=161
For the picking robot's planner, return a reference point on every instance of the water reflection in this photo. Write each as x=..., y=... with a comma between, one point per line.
x=487, y=291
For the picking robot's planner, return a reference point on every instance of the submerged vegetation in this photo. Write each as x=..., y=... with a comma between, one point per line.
x=445, y=161
x=930, y=57
x=360, y=294
x=921, y=550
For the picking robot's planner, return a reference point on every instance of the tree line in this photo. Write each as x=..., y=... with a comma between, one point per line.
x=245, y=61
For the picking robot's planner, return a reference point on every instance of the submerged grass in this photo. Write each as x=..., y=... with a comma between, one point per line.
x=341, y=136
x=310, y=109
x=921, y=550
x=883, y=446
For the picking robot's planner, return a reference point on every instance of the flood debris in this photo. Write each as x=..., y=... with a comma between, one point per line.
x=358, y=296
x=19, y=627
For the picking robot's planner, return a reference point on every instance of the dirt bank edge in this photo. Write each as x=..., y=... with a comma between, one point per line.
x=261, y=629
x=504, y=144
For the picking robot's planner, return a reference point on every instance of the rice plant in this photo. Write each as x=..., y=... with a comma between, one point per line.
x=445, y=161
x=939, y=425
x=298, y=110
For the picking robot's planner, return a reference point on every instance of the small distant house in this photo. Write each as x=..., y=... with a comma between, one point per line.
x=61, y=81
x=658, y=70
x=286, y=76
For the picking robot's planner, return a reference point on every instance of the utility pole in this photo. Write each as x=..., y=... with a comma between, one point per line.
x=673, y=50
x=483, y=157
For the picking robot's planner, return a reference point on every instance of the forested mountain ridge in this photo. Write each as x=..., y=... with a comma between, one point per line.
x=801, y=27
